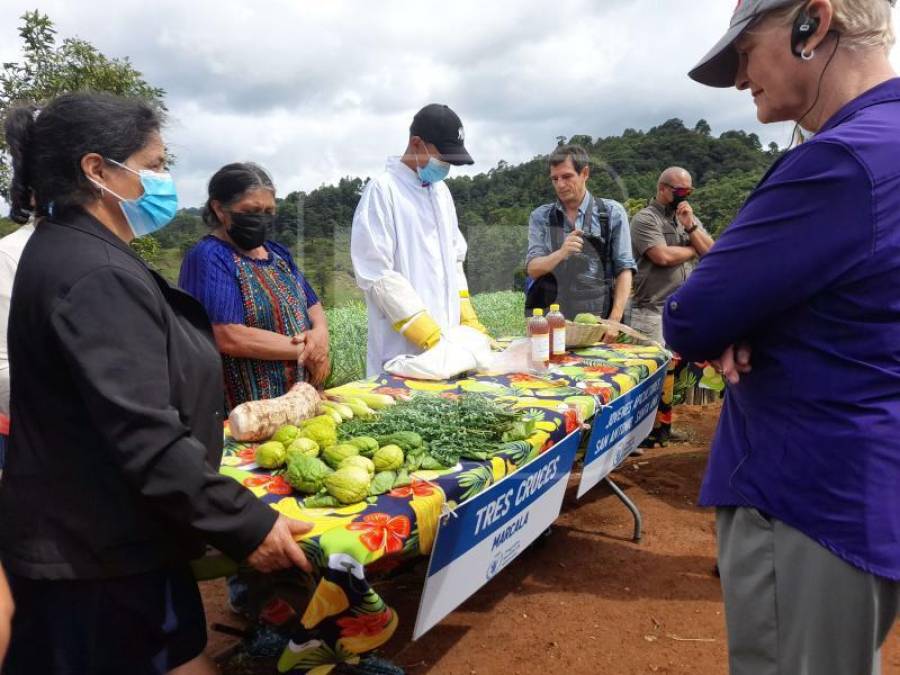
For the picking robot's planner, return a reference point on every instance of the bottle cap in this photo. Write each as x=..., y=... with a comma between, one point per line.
x=538, y=312
x=554, y=308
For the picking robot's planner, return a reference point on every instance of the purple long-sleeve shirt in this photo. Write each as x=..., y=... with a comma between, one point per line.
x=809, y=275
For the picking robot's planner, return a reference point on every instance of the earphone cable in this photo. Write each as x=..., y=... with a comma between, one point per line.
x=796, y=135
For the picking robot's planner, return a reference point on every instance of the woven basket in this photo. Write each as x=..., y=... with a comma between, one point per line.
x=583, y=335
x=587, y=335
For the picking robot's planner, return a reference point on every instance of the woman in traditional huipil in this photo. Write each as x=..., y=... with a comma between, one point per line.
x=268, y=322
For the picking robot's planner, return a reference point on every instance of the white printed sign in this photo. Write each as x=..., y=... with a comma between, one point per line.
x=484, y=534
x=618, y=428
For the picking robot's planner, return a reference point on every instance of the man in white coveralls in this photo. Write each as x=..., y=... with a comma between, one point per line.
x=406, y=246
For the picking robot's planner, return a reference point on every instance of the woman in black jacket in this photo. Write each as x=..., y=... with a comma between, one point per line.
x=111, y=483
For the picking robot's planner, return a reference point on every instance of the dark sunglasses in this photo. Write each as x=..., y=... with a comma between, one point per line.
x=680, y=191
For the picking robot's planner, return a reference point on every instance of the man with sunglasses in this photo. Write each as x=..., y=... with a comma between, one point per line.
x=667, y=238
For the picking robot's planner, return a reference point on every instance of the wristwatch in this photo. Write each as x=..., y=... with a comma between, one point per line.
x=691, y=231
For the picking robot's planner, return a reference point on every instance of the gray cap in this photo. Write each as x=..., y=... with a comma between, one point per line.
x=719, y=67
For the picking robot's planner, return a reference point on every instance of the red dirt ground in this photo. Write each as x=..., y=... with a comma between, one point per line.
x=587, y=601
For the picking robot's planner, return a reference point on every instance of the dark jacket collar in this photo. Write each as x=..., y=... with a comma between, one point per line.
x=79, y=219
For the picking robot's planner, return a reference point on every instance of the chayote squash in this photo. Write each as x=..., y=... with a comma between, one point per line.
x=335, y=454
x=388, y=458
x=270, y=455
x=319, y=419
x=306, y=474
x=409, y=441
x=286, y=434
x=320, y=432
x=366, y=444
x=361, y=462
x=348, y=485
x=303, y=446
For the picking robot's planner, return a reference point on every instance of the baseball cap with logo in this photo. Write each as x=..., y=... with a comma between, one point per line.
x=719, y=67
x=438, y=124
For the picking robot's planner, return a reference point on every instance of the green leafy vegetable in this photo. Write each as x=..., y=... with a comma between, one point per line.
x=402, y=479
x=322, y=500
x=382, y=482
x=470, y=426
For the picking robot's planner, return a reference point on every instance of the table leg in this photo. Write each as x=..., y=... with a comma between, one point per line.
x=617, y=491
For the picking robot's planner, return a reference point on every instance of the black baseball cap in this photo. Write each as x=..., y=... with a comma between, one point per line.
x=438, y=124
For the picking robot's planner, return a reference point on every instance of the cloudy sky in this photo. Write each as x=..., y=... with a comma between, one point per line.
x=319, y=90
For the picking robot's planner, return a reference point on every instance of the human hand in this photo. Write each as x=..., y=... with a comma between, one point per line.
x=611, y=334
x=299, y=341
x=573, y=244
x=312, y=346
x=279, y=550
x=319, y=371
x=734, y=362
x=685, y=214
x=317, y=344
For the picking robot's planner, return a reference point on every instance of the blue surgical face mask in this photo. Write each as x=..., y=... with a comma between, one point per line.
x=434, y=170
x=154, y=209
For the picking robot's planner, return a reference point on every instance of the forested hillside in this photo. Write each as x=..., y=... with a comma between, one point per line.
x=494, y=206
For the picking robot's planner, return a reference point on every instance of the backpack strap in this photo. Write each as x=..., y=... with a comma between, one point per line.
x=557, y=231
x=605, y=227
x=542, y=292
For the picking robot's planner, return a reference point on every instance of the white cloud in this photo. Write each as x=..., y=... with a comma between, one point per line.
x=319, y=90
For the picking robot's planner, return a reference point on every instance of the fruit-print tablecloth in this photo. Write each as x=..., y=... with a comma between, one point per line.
x=345, y=616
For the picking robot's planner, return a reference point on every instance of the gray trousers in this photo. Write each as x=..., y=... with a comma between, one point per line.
x=648, y=322
x=794, y=608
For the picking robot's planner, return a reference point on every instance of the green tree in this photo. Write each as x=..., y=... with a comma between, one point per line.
x=148, y=248
x=494, y=206
x=717, y=202
x=49, y=68
x=702, y=127
x=633, y=205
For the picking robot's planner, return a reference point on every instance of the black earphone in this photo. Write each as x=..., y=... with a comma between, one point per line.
x=805, y=26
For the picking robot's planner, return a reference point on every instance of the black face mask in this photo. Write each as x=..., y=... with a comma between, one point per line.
x=250, y=230
x=676, y=200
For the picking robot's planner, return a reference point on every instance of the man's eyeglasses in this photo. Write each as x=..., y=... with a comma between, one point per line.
x=680, y=191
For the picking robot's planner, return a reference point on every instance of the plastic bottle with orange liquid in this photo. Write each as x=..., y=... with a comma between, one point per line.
x=557, y=334
x=539, y=336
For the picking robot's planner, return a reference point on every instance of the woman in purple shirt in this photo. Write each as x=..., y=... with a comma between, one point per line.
x=799, y=300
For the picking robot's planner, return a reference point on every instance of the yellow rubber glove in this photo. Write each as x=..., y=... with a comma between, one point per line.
x=467, y=315
x=421, y=330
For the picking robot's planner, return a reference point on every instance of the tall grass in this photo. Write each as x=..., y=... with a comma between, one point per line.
x=502, y=313
x=348, y=331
